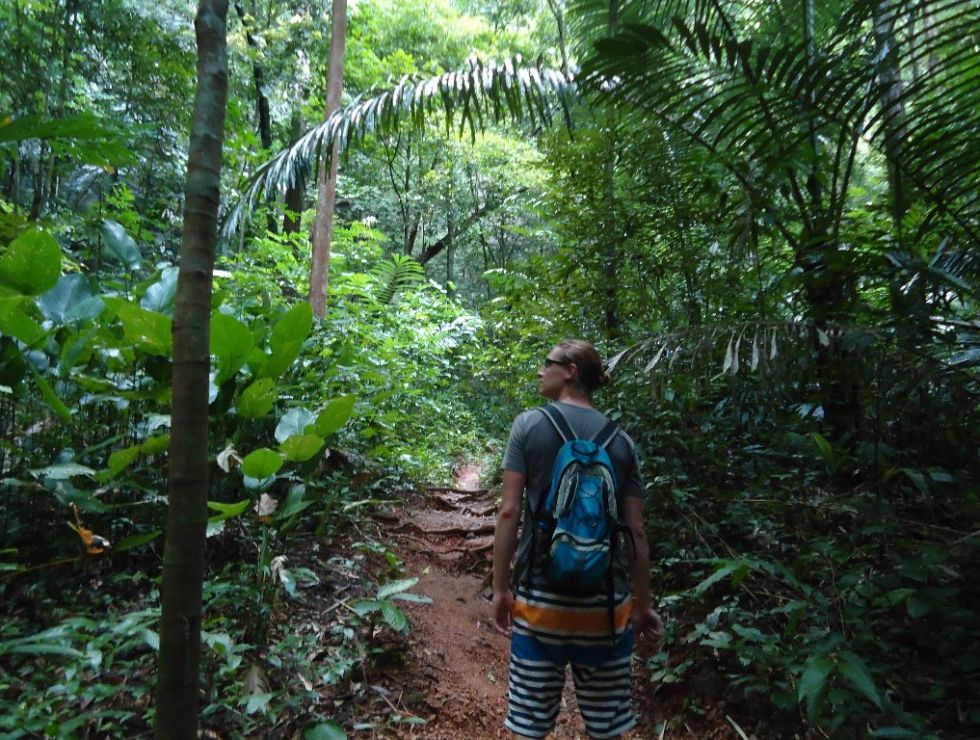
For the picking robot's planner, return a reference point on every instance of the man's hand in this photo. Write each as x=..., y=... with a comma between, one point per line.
x=647, y=623
x=503, y=608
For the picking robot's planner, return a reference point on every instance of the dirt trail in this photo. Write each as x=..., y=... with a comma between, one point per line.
x=457, y=661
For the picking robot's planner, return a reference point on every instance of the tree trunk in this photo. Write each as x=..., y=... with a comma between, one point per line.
x=892, y=107
x=828, y=285
x=183, y=562
x=610, y=256
x=294, y=193
x=327, y=182
x=261, y=99
x=558, y=11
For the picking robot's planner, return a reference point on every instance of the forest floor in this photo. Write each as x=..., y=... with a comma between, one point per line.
x=454, y=669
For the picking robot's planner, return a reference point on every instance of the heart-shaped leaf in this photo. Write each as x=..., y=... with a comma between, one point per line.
x=301, y=447
x=334, y=415
x=160, y=296
x=71, y=299
x=258, y=399
x=295, y=421
x=31, y=265
x=120, y=245
x=262, y=463
x=148, y=330
x=15, y=322
x=231, y=343
x=286, y=341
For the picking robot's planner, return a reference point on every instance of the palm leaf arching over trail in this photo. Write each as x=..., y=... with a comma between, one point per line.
x=754, y=101
x=481, y=94
x=783, y=109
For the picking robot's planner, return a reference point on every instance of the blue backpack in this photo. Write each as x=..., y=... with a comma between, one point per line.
x=578, y=517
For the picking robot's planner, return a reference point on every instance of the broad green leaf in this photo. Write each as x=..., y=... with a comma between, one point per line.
x=826, y=451
x=394, y=616
x=36, y=126
x=31, y=265
x=413, y=598
x=334, y=415
x=725, y=569
x=295, y=421
x=366, y=606
x=917, y=607
x=160, y=296
x=62, y=471
x=286, y=340
x=51, y=398
x=396, y=587
x=257, y=702
x=231, y=343
x=301, y=447
x=128, y=543
x=226, y=511
x=856, y=671
x=293, y=503
x=325, y=731
x=71, y=300
x=147, y=330
x=258, y=399
x=43, y=649
x=155, y=445
x=262, y=463
x=813, y=684
x=121, y=245
x=917, y=479
x=122, y=459
x=15, y=322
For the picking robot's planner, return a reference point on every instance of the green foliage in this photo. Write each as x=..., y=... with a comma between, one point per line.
x=787, y=290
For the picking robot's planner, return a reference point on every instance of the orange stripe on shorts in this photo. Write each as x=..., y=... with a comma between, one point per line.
x=577, y=621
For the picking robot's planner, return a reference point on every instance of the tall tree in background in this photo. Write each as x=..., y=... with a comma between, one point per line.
x=183, y=563
x=327, y=188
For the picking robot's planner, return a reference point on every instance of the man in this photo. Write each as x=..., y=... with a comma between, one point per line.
x=548, y=629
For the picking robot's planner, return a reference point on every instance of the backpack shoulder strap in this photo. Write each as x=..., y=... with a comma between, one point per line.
x=607, y=434
x=559, y=422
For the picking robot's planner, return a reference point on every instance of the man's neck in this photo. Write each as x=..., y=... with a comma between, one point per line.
x=573, y=398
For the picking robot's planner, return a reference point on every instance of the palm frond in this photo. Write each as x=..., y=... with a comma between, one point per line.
x=758, y=99
x=939, y=149
x=476, y=96
x=397, y=273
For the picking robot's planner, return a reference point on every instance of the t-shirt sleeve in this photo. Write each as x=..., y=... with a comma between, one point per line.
x=515, y=458
x=633, y=482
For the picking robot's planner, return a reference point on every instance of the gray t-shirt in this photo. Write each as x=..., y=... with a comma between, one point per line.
x=532, y=449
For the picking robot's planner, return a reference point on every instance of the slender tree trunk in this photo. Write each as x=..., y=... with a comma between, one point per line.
x=893, y=109
x=450, y=249
x=261, y=99
x=559, y=13
x=610, y=258
x=183, y=562
x=828, y=286
x=39, y=200
x=294, y=193
x=327, y=182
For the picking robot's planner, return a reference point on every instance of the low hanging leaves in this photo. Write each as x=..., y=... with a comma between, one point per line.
x=31, y=264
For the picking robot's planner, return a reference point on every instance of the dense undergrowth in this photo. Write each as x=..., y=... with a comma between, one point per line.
x=310, y=426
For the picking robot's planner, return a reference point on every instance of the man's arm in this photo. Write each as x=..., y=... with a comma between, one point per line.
x=504, y=546
x=644, y=617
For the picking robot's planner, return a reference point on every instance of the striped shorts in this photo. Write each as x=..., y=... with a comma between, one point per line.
x=551, y=630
